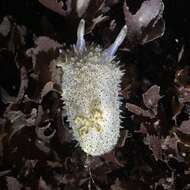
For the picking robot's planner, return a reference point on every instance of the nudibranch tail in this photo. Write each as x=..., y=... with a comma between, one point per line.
x=109, y=53
x=80, y=45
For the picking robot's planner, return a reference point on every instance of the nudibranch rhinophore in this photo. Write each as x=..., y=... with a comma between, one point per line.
x=91, y=85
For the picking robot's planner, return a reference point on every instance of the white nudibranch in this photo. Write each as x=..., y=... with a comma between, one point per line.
x=91, y=84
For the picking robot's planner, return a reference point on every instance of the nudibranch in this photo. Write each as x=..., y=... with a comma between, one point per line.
x=90, y=90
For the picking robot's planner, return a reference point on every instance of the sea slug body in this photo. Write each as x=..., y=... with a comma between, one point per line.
x=91, y=84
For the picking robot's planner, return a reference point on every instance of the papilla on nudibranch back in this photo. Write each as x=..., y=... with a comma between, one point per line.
x=91, y=85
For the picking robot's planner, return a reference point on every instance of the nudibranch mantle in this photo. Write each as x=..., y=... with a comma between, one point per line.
x=90, y=90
